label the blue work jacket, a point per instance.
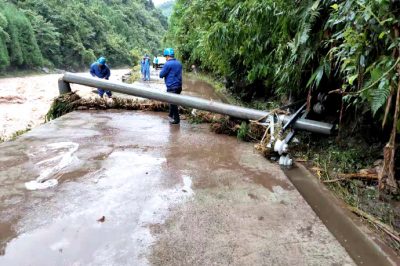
(147, 63)
(100, 73)
(172, 72)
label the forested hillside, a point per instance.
(71, 34)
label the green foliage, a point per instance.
(4, 38)
(135, 75)
(243, 130)
(136, 56)
(18, 133)
(288, 47)
(364, 48)
(72, 34)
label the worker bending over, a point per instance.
(101, 70)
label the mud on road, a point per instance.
(169, 195)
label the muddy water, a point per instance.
(24, 101)
(169, 195)
(199, 88)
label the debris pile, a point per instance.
(71, 101)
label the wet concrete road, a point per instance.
(169, 195)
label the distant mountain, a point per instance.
(167, 8)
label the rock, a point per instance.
(80, 108)
(126, 77)
(45, 70)
(102, 219)
(59, 71)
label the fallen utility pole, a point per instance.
(188, 101)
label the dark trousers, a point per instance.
(173, 108)
(101, 93)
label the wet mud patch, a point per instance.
(12, 161)
(7, 233)
(252, 196)
(202, 89)
(269, 182)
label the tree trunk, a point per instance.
(387, 178)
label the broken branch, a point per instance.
(384, 227)
(343, 177)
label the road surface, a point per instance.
(169, 195)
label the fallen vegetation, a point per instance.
(69, 102)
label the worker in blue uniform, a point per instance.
(142, 67)
(101, 70)
(147, 68)
(172, 74)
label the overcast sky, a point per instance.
(159, 2)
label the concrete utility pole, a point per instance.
(191, 102)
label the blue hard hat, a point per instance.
(169, 52)
(101, 61)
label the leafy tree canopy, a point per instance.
(279, 47)
(72, 34)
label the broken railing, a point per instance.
(296, 122)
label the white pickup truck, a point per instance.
(161, 62)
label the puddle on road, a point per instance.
(61, 157)
(202, 89)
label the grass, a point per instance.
(18, 133)
(135, 74)
(243, 131)
(15, 135)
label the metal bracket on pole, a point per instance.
(293, 118)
